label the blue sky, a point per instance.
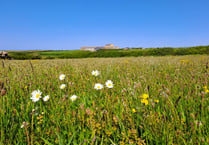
(71, 24)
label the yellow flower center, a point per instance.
(63, 77)
(98, 87)
(37, 96)
(95, 73)
(109, 85)
(73, 99)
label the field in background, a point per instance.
(176, 111)
(133, 52)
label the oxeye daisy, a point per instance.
(95, 73)
(36, 95)
(98, 86)
(62, 77)
(109, 84)
(73, 98)
(46, 98)
(62, 86)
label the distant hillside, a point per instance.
(126, 52)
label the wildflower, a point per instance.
(198, 123)
(145, 101)
(206, 91)
(62, 77)
(205, 87)
(109, 84)
(36, 95)
(26, 87)
(33, 110)
(24, 124)
(73, 98)
(95, 73)
(62, 86)
(88, 111)
(156, 101)
(144, 96)
(46, 98)
(71, 83)
(98, 86)
(134, 110)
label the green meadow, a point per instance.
(154, 101)
(109, 53)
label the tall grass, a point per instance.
(176, 113)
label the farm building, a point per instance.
(95, 48)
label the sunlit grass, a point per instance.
(145, 100)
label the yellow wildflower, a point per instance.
(144, 96)
(205, 87)
(145, 101)
(156, 101)
(134, 110)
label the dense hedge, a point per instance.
(25, 55)
(111, 53)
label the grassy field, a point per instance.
(154, 100)
(134, 52)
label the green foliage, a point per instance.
(25, 55)
(176, 111)
(110, 53)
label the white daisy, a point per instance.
(109, 84)
(98, 86)
(36, 95)
(46, 98)
(62, 77)
(95, 73)
(62, 86)
(73, 98)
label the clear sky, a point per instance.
(71, 24)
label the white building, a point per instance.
(107, 46)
